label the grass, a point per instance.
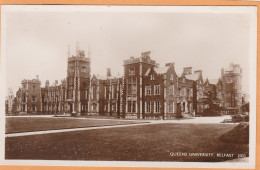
(152, 142)
(28, 124)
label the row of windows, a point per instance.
(113, 93)
(113, 107)
(157, 91)
(131, 107)
(148, 90)
(157, 106)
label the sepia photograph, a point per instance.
(144, 86)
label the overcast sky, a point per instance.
(206, 38)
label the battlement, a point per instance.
(79, 58)
(145, 58)
(32, 80)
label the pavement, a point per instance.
(207, 120)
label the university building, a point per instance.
(145, 91)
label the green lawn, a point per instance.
(151, 142)
(28, 124)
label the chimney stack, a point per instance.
(187, 70)
(169, 64)
(146, 54)
(108, 72)
(47, 83)
(198, 71)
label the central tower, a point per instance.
(78, 82)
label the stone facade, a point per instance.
(145, 91)
(231, 79)
(29, 96)
(105, 95)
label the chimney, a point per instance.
(37, 77)
(187, 70)
(169, 64)
(108, 72)
(47, 83)
(198, 71)
(146, 54)
(222, 74)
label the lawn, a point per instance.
(151, 142)
(28, 124)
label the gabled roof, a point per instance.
(148, 71)
(179, 75)
(99, 77)
(194, 76)
(161, 70)
(213, 81)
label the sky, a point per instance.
(36, 38)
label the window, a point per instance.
(151, 77)
(156, 107)
(131, 106)
(157, 89)
(148, 107)
(114, 91)
(171, 107)
(94, 107)
(171, 89)
(183, 80)
(33, 108)
(34, 87)
(132, 71)
(84, 69)
(183, 91)
(191, 92)
(33, 98)
(85, 94)
(171, 78)
(132, 89)
(114, 107)
(106, 92)
(94, 92)
(148, 90)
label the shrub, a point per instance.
(246, 118)
(237, 118)
(240, 118)
(239, 134)
(210, 112)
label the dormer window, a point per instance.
(132, 71)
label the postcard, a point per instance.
(128, 86)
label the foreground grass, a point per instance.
(28, 124)
(140, 143)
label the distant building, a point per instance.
(198, 88)
(29, 96)
(9, 102)
(134, 72)
(232, 86)
(145, 91)
(106, 94)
